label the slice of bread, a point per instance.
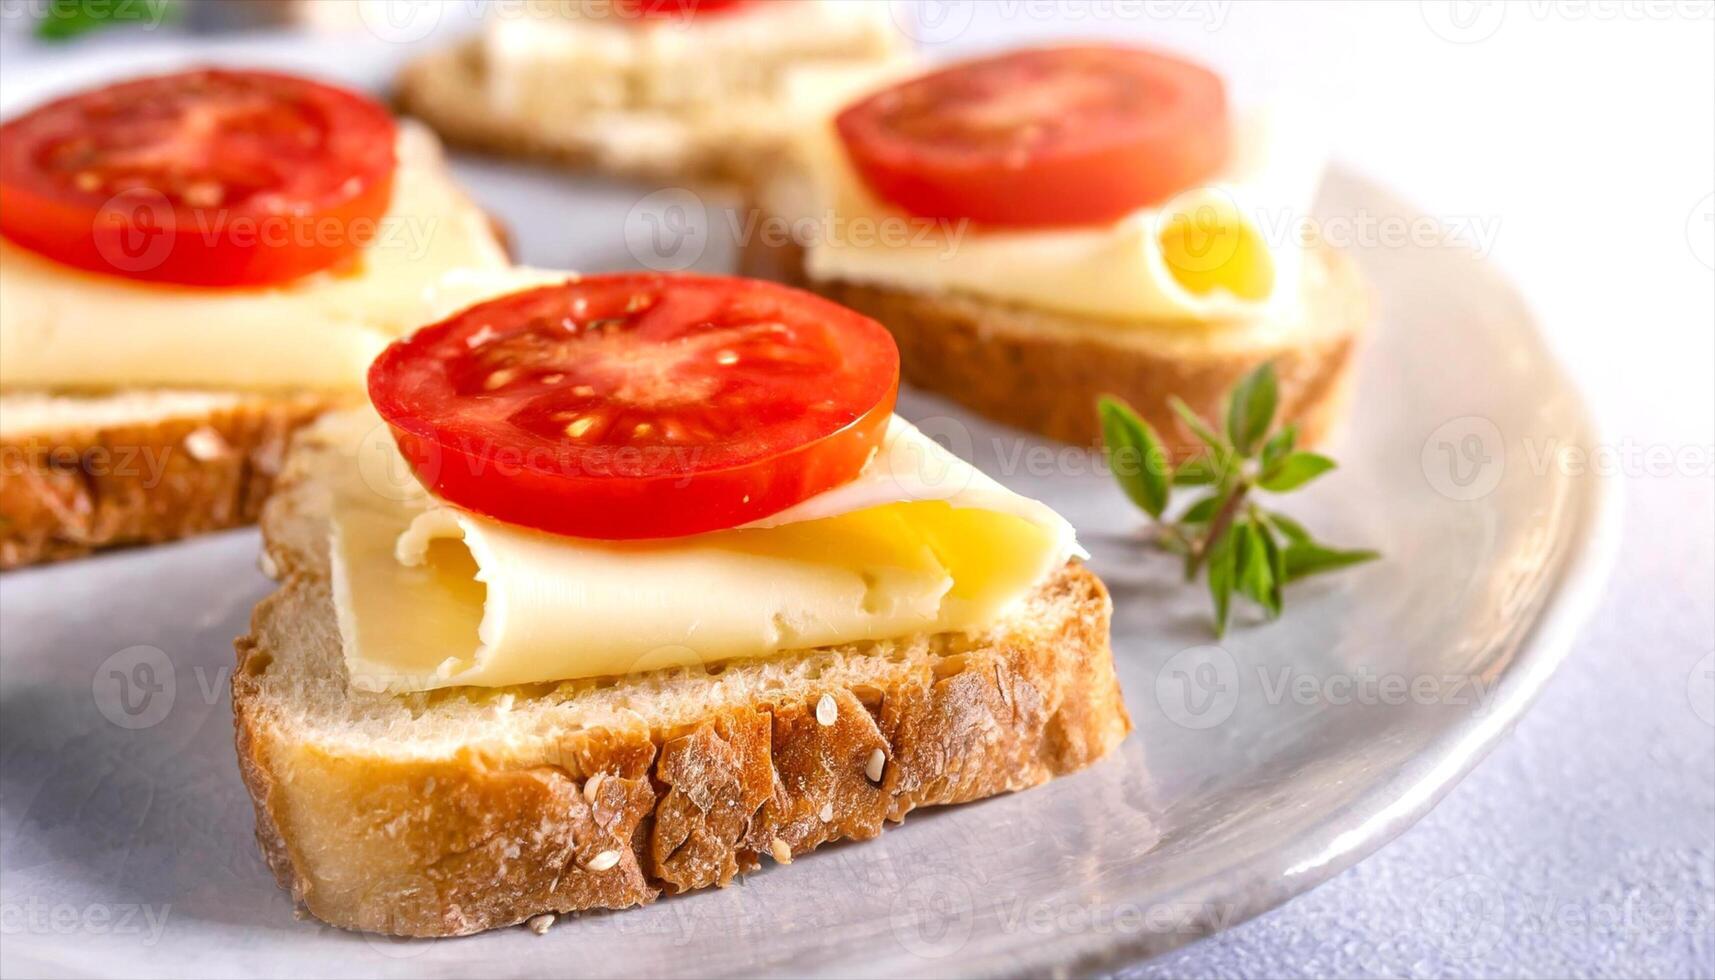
(1043, 370)
(87, 471)
(465, 809)
(447, 89)
(712, 145)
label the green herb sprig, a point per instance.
(1240, 546)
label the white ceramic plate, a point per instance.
(1259, 768)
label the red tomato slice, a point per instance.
(1052, 136)
(204, 178)
(658, 9)
(639, 405)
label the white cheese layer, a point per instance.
(431, 596)
(66, 328)
(1229, 250)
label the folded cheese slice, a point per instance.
(432, 596)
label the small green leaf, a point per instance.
(1279, 446)
(1203, 511)
(1294, 531)
(1250, 408)
(1197, 472)
(1294, 471)
(1135, 455)
(1307, 558)
(1221, 571)
(1255, 571)
(1218, 447)
(1276, 563)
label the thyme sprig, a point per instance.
(1239, 543)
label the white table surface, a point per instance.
(1578, 141)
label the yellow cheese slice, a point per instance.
(430, 596)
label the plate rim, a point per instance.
(1387, 809)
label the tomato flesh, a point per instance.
(202, 178)
(1040, 138)
(668, 9)
(639, 405)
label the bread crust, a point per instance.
(477, 843)
(68, 492)
(1044, 371)
(608, 817)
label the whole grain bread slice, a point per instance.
(80, 472)
(465, 809)
(1043, 371)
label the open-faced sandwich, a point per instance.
(192, 265)
(627, 583)
(1042, 227)
(681, 90)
